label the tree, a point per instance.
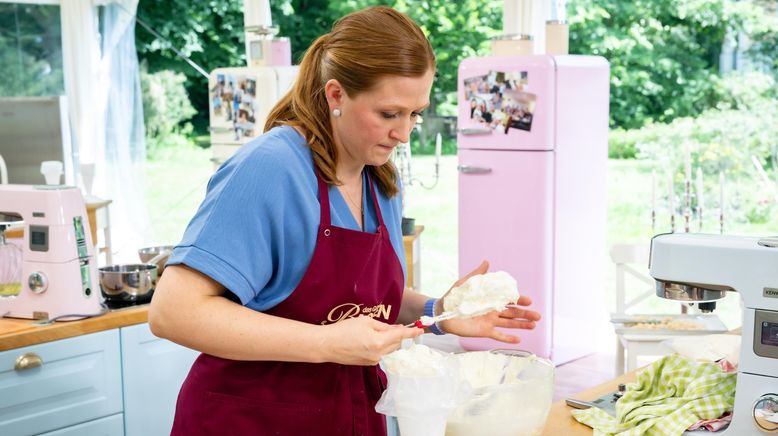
(30, 50)
(664, 54)
(208, 32)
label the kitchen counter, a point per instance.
(561, 422)
(15, 333)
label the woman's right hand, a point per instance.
(363, 340)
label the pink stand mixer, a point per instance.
(53, 275)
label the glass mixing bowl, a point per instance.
(512, 394)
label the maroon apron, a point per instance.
(351, 273)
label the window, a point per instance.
(30, 50)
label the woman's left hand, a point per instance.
(485, 325)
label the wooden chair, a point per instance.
(631, 262)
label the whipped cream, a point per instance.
(482, 293)
(511, 397)
(415, 361)
(481, 368)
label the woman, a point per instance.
(290, 276)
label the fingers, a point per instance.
(504, 337)
(395, 337)
(400, 332)
(483, 268)
(378, 325)
(515, 323)
(393, 334)
(395, 331)
(516, 312)
(524, 300)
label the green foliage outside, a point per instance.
(166, 109)
(30, 50)
(209, 32)
(664, 54)
(728, 139)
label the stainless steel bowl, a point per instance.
(148, 255)
(128, 283)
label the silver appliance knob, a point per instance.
(38, 282)
(765, 412)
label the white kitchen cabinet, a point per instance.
(76, 380)
(153, 370)
(111, 383)
(109, 426)
(391, 426)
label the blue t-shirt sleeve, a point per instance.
(237, 235)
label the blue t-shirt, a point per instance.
(255, 231)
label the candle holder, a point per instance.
(653, 221)
(687, 210)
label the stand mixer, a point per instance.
(58, 276)
(700, 268)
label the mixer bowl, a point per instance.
(132, 283)
(149, 253)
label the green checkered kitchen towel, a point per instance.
(670, 395)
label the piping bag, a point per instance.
(423, 389)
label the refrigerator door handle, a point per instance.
(470, 131)
(471, 169)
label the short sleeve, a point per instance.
(254, 208)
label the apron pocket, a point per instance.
(232, 414)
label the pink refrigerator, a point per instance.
(533, 148)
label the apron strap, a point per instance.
(324, 201)
(375, 201)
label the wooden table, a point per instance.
(561, 422)
(15, 333)
(412, 245)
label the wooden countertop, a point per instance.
(15, 333)
(561, 422)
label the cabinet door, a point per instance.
(108, 426)
(153, 370)
(79, 380)
(505, 216)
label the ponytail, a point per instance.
(306, 106)
(362, 48)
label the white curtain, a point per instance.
(125, 148)
(106, 112)
(81, 61)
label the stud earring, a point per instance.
(336, 113)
